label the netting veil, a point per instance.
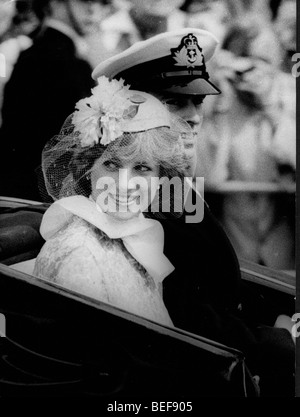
(118, 124)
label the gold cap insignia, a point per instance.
(188, 53)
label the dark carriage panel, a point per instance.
(60, 343)
(20, 239)
(63, 344)
(266, 292)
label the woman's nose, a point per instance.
(126, 180)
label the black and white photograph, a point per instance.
(148, 205)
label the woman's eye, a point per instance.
(111, 165)
(142, 168)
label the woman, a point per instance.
(105, 169)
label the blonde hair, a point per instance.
(161, 146)
(67, 165)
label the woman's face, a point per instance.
(123, 189)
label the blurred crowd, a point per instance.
(247, 151)
(248, 135)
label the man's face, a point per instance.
(190, 109)
(86, 15)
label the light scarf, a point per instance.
(143, 238)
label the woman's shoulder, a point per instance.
(80, 245)
(78, 239)
(76, 232)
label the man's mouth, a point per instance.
(189, 141)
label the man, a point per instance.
(178, 77)
(202, 295)
(32, 110)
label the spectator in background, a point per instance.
(251, 137)
(207, 15)
(97, 50)
(7, 11)
(285, 27)
(55, 66)
(242, 8)
(255, 19)
(25, 21)
(138, 20)
(18, 26)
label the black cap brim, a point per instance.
(198, 86)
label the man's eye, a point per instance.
(173, 102)
(198, 101)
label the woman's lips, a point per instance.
(124, 200)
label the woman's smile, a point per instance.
(126, 188)
(124, 200)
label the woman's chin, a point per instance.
(120, 215)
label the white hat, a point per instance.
(171, 61)
(114, 109)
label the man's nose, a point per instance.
(193, 114)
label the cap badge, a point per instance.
(188, 53)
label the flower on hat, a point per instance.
(101, 114)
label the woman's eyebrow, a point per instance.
(114, 159)
(143, 162)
